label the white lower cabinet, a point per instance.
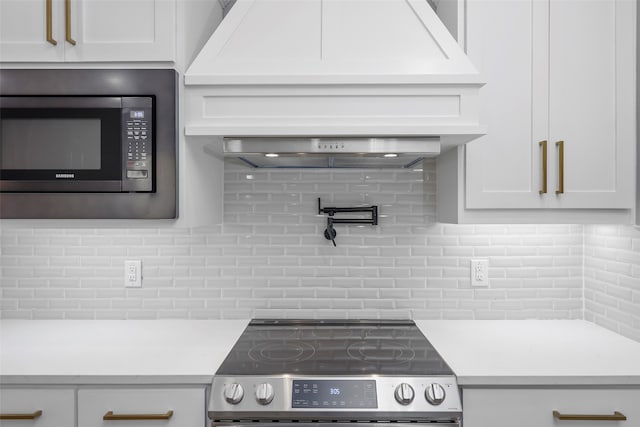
(535, 407)
(136, 407)
(31, 407)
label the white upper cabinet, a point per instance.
(500, 166)
(87, 30)
(26, 30)
(560, 74)
(592, 101)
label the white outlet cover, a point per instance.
(133, 274)
(480, 273)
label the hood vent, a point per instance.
(344, 153)
(382, 69)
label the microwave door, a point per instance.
(61, 144)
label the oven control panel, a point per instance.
(331, 394)
(254, 396)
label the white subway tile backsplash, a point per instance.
(40, 315)
(16, 272)
(17, 250)
(612, 278)
(30, 261)
(489, 251)
(270, 259)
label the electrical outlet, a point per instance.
(133, 274)
(479, 272)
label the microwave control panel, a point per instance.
(137, 138)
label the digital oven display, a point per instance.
(137, 114)
(323, 394)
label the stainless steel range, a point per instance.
(334, 371)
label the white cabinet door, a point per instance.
(556, 70)
(41, 407)
(503, 167)
(534, 407)
(131, 407)
(122, 30)
(591, 102)
(87, 30)
(23, 30)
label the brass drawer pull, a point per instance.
(560, 145)
(49, 23)
(543, 144)
(110, 416)
(31, 416)
(67, 9)
(617, 416)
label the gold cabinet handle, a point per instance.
(560, 145)
(31, 416)
(49, 24)
(67, 33)
(543, 144)
(110, 416)
(617, 416)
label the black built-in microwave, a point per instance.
(76, 144)
(88, 143)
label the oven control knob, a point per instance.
(233, 393)
(434, 394)
(404, 394)
(264, 393)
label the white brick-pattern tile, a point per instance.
(270, 259)
(612, 278)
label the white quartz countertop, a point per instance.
(534, 352)
(481, 353)
(114, 351)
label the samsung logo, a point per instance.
(65, 175)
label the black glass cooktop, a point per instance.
(333, 347)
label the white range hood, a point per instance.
(333, 68)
